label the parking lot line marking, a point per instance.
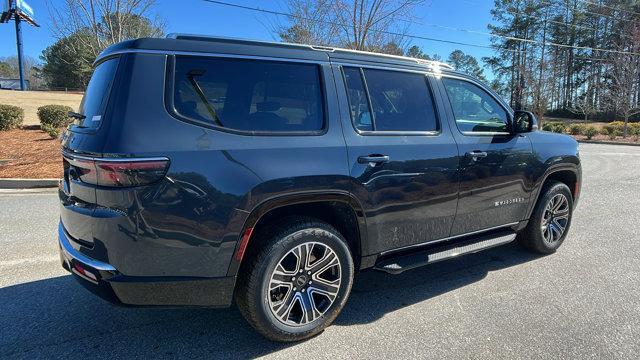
(34, 260)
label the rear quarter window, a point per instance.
(248, 95)
(96, 96)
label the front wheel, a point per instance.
(299, 281)
(550, 221)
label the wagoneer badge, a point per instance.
(508, 202)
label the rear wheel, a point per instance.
(550, 221)
(297, 284)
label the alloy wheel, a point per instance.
(555, 218)
(304, 284)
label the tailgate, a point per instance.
(82, 141)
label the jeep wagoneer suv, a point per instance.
(202, 171)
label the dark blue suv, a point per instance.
(206, 170)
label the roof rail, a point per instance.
(197, 37)
(432, 63)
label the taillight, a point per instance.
(130, 173)
(85, 171)
(116, 172)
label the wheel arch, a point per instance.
(339, 209)
(568, 174)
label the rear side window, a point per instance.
(249, 95)
(398, 101)
(95, 98)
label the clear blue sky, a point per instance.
(200, 17)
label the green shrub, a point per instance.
(557, 127)
(576, 129)
(607, 130)
(617, 124)
(56, 116)
(590, 132)
(51, 130)
(10, 117)
(634, 128)
(615, 133)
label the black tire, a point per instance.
(536, 237)
(254, 299)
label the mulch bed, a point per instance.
(29, 153)
(605, 139)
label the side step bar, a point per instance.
(418, 258)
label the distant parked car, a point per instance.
(203, 170)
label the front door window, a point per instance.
(474, 109)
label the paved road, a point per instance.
(582, 302)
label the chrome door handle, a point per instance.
(375, 159)
(477, 154)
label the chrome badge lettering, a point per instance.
(508, 202)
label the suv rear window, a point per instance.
(249, 95)
(95, 98)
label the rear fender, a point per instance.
(296, 199)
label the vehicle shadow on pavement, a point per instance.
(57, 317)
(375, 293)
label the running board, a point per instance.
(401, 263)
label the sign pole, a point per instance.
(23, 85)
(19, 10)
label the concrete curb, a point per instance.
(16, 183)
(607, 142)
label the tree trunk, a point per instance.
(626, 126)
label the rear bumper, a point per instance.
(107, 282)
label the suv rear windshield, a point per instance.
(95, 98)
(249, 95)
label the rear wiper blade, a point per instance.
(76, 115)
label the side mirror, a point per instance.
(524, 122)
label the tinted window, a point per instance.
(475, 109)
(95, 98)
(358, 103)
(249, 95)
(401, 101)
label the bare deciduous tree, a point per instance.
(586, 103)
(374, 25)
(31, 69)
(366, 23)
(314, 23)
(105, 22)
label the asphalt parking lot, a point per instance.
(582, 302)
